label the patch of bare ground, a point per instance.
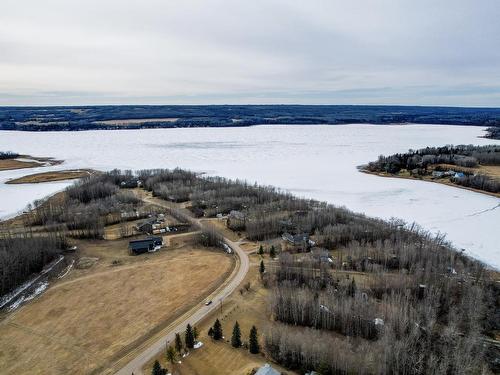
(26, 161)
(91, 318)
(36, 178)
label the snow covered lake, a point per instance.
(311, 161)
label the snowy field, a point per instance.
(311, 161)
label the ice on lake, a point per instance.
(311, 161)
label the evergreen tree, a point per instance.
(195, 333)
(352, 288)
(189, 339)
(217, 330)
(171, 354)
(236, 337)
(272, 252)
(157, 369)
(211, 332)
(178, 343)
(253, 342)
(262, 268)
(261, 250)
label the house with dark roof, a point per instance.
(147, 245)
(299, 241)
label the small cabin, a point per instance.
(147, 245)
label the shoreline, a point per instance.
(52, 176)
(27, 162)
(385, 174)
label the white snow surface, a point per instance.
(40, 288)
(311, 161)
(198, 345)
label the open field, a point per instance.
(51, 176)
(91, 318)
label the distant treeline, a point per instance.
(91, 117)
(8, 155)
(493, 132)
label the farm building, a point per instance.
(147, 245)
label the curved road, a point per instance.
(136, 364)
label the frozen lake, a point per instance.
(311, 161)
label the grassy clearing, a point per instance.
(91, 318)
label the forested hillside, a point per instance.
(155, 116)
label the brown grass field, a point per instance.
(9, 164)
(51, 176)
(87, 321)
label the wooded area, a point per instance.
(433, 160)
(172, 116)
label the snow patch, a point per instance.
(198, 345)
(7, 298)
(67, 269)
(38, 290)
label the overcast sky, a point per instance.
(425, 52)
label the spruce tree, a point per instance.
(262, 268)
(171, 354)
(272, 252)
(178, 343)
(211, 332)
(352, 288)
(157, 369)
(253, 342)
(261, 250)
(189, 339)
(217, 330)
(195, 333)
(236, 337)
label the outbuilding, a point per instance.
(147, 245)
